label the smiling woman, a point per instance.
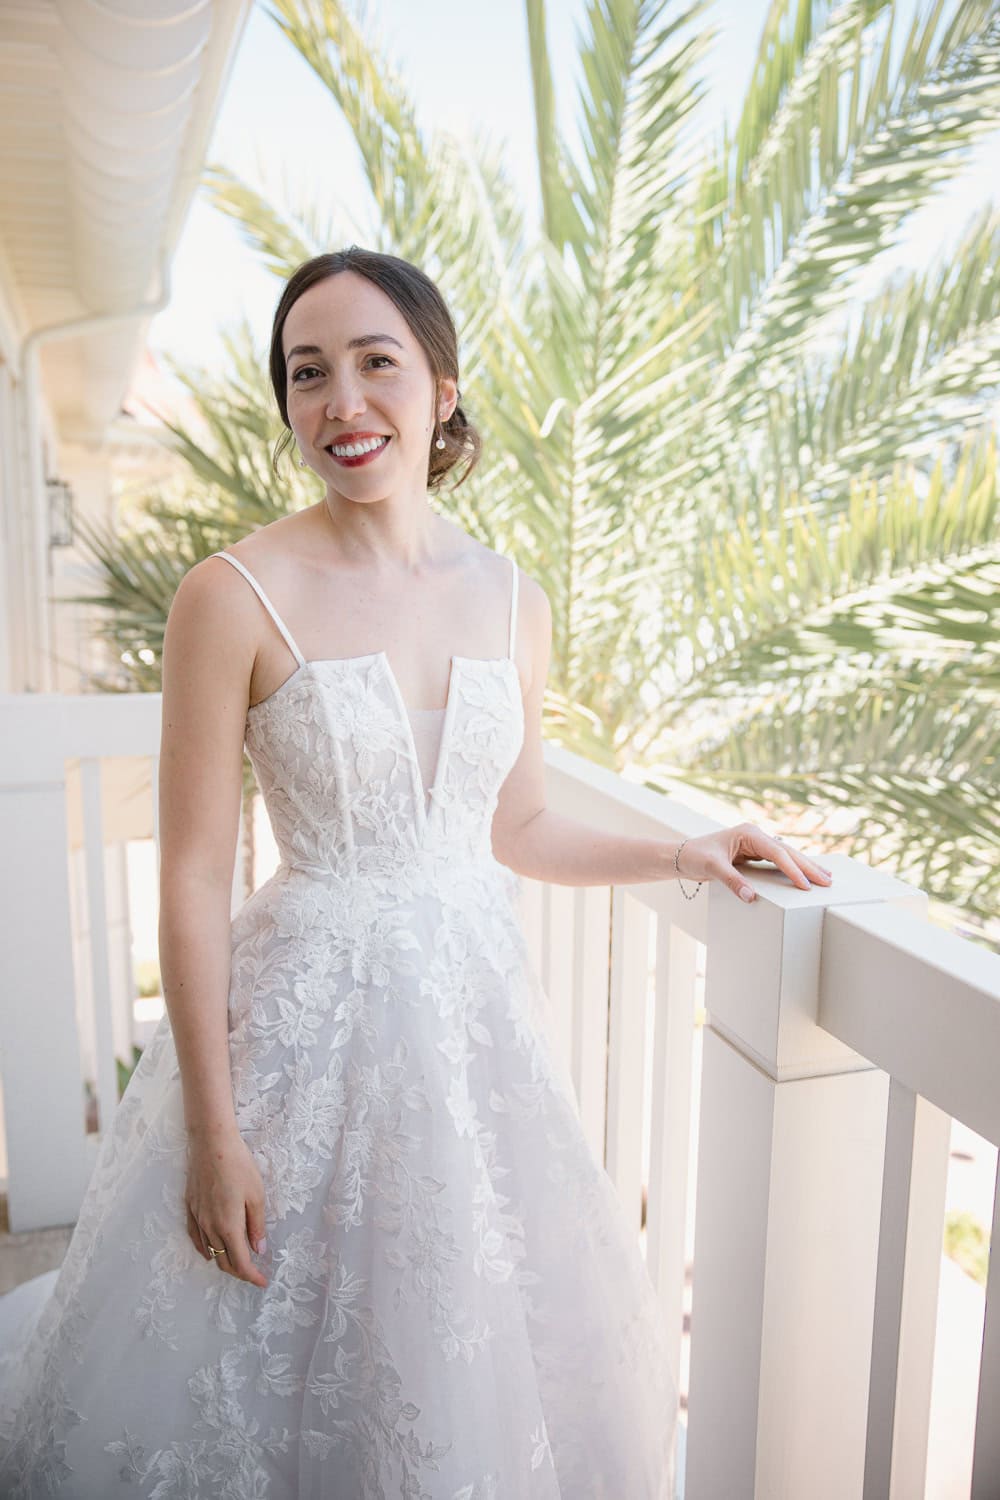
(352, 448)
(347, 1199)
(357, 448)
(418, 352)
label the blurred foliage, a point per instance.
(762, 502)
(968, 1244)
(147, 978)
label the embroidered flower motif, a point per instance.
(440, 1239)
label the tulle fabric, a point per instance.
(456, 1308)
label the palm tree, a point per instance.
(764, 508)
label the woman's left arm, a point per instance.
(542, 845)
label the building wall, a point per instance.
(18, 633)
(45, 645)
(77, 651)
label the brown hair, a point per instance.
(429, 320)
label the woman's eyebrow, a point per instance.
(373, 338)
(360, 342)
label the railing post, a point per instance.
(918, 1138)
(567, 929)
(986, 1462)
(65, 984)
(670, 1127)
(47, 1156)
(791, 1140)
(630, 928)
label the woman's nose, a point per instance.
(345, 399)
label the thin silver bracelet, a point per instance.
(688, 896)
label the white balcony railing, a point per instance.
(843, 1032)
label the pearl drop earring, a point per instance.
(440, 440)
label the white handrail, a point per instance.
(842, 1032)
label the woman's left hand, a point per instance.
(715, 856)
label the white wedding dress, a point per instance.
(456, 1308)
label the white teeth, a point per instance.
(351, 450)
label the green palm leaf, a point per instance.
(763, 511)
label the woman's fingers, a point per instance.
(716, 856)
(225, 1199)
(788, 860)
(800, 868)
(243, 1269)
(237, 1259)
(255, 1228)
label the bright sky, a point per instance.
(465, 63)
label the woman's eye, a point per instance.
(308, 371)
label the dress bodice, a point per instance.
(454, 1305)
(426, 724)
(337, 762)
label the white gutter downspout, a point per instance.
(35, 509)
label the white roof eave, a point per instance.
(93, 200)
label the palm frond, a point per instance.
(283, 238)
(561, 222)
(815, 219)
(915, 779)
(765, 522)
(901, 576)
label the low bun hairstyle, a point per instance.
(428, 319)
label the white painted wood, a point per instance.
(765, 971)
(915, 1176)
(728, 1291)
(986, 1461)
(809, 995)
(57, 1011)
(630, 933)
(920, 1002)
(900, 1120)
(121, 977)
(559, 980)
(670, 1127)
(44, 730)
(588, 1059)
(819, 1292)
(576, 921)
(39, 1050)
(93, 837)
(921, 1281)
(789, 1180)
(82, 970)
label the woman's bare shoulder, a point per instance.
(532, 598)
(269, 550)
(214, 602)
(278, 538)
(534, 612)
(498, 565)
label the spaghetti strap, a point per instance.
(286, 633)
(513, 609)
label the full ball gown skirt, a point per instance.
(456, 1308)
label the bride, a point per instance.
(345, 1237)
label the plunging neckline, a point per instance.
(425, 798)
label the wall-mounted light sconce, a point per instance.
(60, 513)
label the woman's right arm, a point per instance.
(208, 656)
